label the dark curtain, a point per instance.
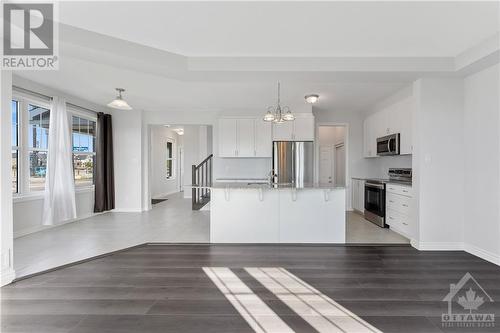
(104, 171)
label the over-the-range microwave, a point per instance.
(388, 145)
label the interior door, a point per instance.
(339, 179)
(326, 164)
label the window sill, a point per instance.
(39, 196)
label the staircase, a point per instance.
(201, 180)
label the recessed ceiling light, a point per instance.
(166, 125)
(312, 98)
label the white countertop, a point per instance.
(266, 186)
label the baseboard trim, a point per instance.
(483, 254)
(437, 246)
(457, 246)
(127, 210)
(7, 276)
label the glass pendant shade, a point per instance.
(119, 102)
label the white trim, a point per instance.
(127, 210)
(483, 254)
(7, 276)
(437, 246)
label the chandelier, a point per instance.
(277, 113)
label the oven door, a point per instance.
(375, 203)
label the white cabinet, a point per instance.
(399, 209)
(244, 137)
(228, 133)
(301, 129)
(396, 118)
(263, 139)
(369, 137)
(358, 195)
(283, 131)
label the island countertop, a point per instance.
(267, 186)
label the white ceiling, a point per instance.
(318, 29)
(373, 50)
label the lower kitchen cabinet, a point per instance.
(399, 209)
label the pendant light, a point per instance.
(277, 113)
(119, 102)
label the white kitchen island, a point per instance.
(260, 213)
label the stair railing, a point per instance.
(202, 181)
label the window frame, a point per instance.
(173, 159)
(74, 111)
(16, 147)
(23, 99)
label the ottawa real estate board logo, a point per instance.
(469, 305)
(30, 36)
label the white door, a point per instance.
(304, 129)
(228, 137)
(326, 164)
(283, 131)
(246, 138)
(263, 139)
(339, 179)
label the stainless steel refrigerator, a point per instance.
(293, 162)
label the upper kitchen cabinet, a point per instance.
(301, 129)
(228, 133)
(263, 139)
(396, 118)
(244, 137)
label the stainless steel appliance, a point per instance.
(375, 201)
(375, 194)
(388, 145)
(293, 162)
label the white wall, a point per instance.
(438, 163)
(160, 185)
(482, 163)
(7, 273)
(127, 143)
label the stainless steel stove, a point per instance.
(375, 194)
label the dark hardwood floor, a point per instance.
(162, 288)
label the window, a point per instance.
(170, 160)
(38, 146)
(83, 133)
(15, 146)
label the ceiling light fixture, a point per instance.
(119, 102)
(312, 98)
(277, 113)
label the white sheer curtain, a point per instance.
(59, 200)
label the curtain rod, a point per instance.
(50, 98)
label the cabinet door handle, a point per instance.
(391, 201)
(405, 223)
(405, 205)
(392, 218)
(405, 191)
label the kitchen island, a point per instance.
(263, 213)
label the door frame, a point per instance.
(348, 188)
